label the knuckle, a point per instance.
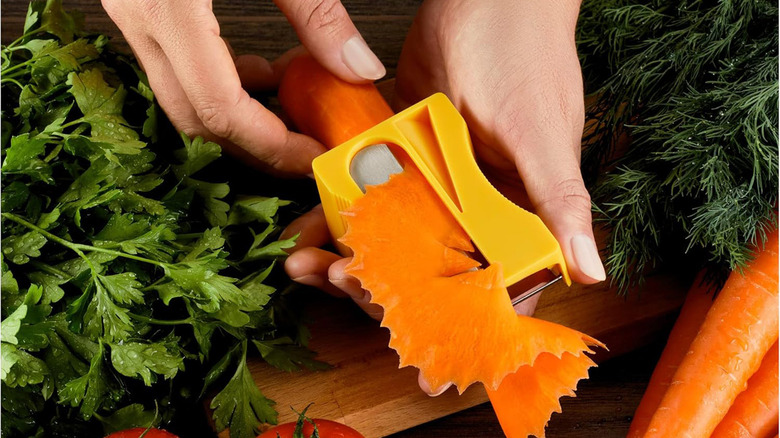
(215, 118)
(323, 14)
(568, 195)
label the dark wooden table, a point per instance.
(604, 404)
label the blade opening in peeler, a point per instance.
(538, 289)
(373, 165)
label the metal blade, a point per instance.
(528, 294)
(373, 165)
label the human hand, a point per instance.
(201, 86)
(511, 69)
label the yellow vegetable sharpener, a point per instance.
(435, 138)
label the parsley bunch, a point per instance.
(694, 85)
(130, 280)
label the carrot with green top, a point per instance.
(754, 413)
(739, 329)
(694, 310)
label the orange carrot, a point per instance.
(739, 329)
(326, 108)
(697, 303)
(754, 412)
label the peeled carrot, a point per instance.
(327, 108)
(739, 329)
(697, 303)
(754, 412)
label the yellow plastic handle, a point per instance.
(435, 138)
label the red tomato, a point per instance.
(326, 428)
(138, 431)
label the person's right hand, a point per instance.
(201, 87)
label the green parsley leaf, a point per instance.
(26, 369)
(20, 249)
(195, 155)
(10, 326)
(58, 22)
(255, 208)
(211, 193)
(10, 355)
(89, 390)
(101, 105)
(129, 417)
(241, 405)
(271, 250)
(22, 157)
(286, 355)
(136, 359)
(123, 288)
(103, 318)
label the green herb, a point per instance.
(695, 87)
(131, 280)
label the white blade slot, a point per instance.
(373, 165)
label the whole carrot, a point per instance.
(327, 108)
(739, 329)
(754, 413)
(697, 303)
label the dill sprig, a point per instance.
(694, 85)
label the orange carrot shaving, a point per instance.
(755, 411)
(548, 380)
(697, 303)
(739, 329)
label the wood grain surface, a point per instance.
(366, 390)
(605, 402)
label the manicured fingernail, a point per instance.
(427, 388)
(587, 257)
(361, 60)
(440, 391)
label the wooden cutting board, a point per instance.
(366, 390)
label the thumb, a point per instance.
(326, 30)
(561, 200)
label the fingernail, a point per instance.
(361, 60)
(440, 391)
(587, 257)
(309, 280)
(354, 291)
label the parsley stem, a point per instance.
(25, 35)
(78, 248)
(160, 321)
(72, 122)
(49, 269)
(17, 67)
(52, 237)
(13, 81)
(121, 254)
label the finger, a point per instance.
(167, 89)
(205, 70)
(309, 266)
(555, 187)
(325, 28)
(256, 73)
(312, 227)
(528, 306)
(351, 286)
(427, 388)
